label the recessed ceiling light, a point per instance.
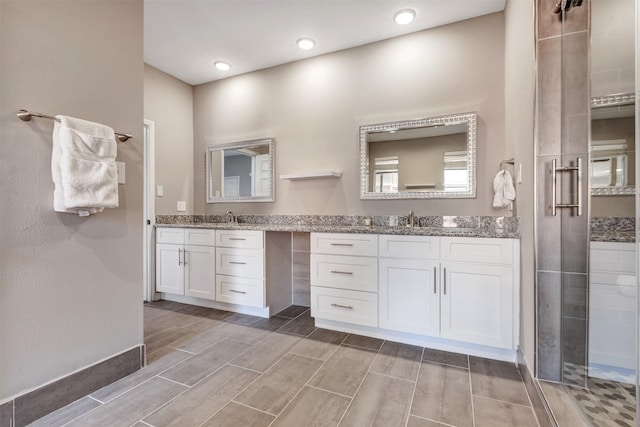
(222, 66)
(405, 16)
(306, 43)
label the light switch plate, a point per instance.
(160, 190)
(121, 172)
(181, 206)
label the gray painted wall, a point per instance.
(168, 102)
(314, 108)
(519, 123)
(70, 287)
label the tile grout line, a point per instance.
(473, 410)
(242, 367)
(364, 377)
(433, 421)
(246, 406)
(176, 382)
(237, 394)
(326, 391)
(188, 387)
(179, 349)
(502, 401)
(415, 387)
(122, 394)
(394, 378)
(297, 393)
(310, 378)
(90, 397)
(260, 375)
(233, 399)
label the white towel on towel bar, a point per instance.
(504, 190)
(83, 166)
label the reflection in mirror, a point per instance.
(241, 171)
(613, 145)
(422, 158)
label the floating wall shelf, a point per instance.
(313, 175)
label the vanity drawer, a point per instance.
(249, 239)
(344, 244)
(415, 247)
(199, 237)
(240, 262)
(170, 235)
(345, 272)
(615, 257)
(239, 290)
(360, 308)
(477, 249)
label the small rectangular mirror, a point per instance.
(241, 171)
(613, 145)
(433, 157)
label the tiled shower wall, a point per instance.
(300, 269)
(562, 241)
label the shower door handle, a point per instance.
(578, 172)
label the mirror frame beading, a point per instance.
(270, 142)
(469, 118)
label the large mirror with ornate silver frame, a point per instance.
(241, 171)
(428, 158)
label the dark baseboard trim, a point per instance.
(538, 403)
(35, 404)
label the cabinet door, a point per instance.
(409, 296)
(169, 269)
(200, 275)
(477, 304)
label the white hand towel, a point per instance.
(504, 190)
(83, 167)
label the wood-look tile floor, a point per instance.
(209, 368)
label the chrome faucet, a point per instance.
(230, 217)
(410, 219)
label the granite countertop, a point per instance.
(613, 236)
(505, 233)
(613, 229)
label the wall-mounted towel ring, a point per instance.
(25, 116)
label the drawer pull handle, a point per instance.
(237, 238)
(237, 262)
(179, 256)
(435, 290)
(184, 257)
(445, 280)
(342, 244)
(237, 292)
(348, 307)
(346, 273)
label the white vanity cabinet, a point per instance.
(344, 277)
(449, 287)
(240, 272)
(244, 271)
(185, 262)
(612, 308)
(429, 288)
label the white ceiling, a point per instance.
(184, 37)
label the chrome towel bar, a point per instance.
(26, 115)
